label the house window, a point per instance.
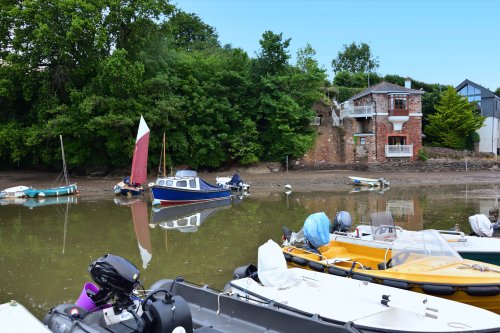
(396, 140)
(399, 103)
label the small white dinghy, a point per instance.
(14, 192)
(15, 318)
(368, 306)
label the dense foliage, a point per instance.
(455, 122)
(88, 69)
(355, 58)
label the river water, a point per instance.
(46, 246)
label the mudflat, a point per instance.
(326, 180)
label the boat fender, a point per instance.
(169, 314)
(438, 290)
(299, 261)
(315, 266)
(337, 271)
(362, 277)
(483, 291)
(396, 284)
(288, 257)
(246, 271)
(63, 317)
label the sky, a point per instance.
(440, 41)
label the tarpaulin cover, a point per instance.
(316, 229)
(208, 187)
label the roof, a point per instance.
(485, 92)
(385, 88)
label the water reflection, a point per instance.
(186, 218)
(45, 251)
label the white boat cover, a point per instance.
(272, 268)
(481, 225)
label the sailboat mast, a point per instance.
(64, 161)
(164, 156)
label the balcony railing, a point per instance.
(357, 111)
(399, 113)
(399, 151)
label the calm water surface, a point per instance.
(46, 246)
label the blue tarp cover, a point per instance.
(204, 186)
(317, 229)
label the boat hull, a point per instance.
(52, 192)
(123, 189)
(455, 281)
(174, 196)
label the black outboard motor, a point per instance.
(117, 277)
(118, 310)
(342, 222)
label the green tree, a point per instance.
(497, 92)
(455, 122)
(355, 58)
(189, 32)
(273, 56)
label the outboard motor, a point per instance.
(342, 222)
(114, 307)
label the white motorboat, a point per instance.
(382, 232)
(16, 318)
(234, 183)
(368, 306)
(14, 192)
(380, 182)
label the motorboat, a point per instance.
(14, 317)
(234, 183)
(117, 303)
(367, 306)
(185, 188)
(14, 192)
(133, 185)
(380, 182)
(382, 231)
(422, 261)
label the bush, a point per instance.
(422, 156)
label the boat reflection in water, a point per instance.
(140, 216)
(38, 202)
(186, 218)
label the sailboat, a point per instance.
(67, 189)
(139, 173)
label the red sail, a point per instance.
(139, 172)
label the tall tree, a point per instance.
(497, 92)
(355, 58)
(455, 122)
(273, 56)
(188, 32)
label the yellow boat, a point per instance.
(423, 262)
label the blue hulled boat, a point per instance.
(185, 188)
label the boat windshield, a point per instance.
(382, 226)
(427, 247)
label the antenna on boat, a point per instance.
(64, 162)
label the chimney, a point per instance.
(408, 83)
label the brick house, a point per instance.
(382, 123)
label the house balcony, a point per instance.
(352, 111)
(399, 113)
(398, 150)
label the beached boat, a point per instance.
(234, 183)
(172, 306)
(381, 182)
(185, 188)
(367, 306)
(133, 185)
(14, 192)
(422, 262)
(186, 218)
(67, 189)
